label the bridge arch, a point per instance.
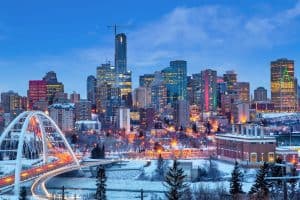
(33, 135)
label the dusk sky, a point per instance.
(72, 38)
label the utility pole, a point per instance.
(142, 194)
(63, 193)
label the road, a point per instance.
(38, 188)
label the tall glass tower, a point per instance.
(121, 53)
(175, 78)
(91, 88)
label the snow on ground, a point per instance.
(8, 166)
(124, 178)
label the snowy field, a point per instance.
(124, 180)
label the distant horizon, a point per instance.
(73, 40)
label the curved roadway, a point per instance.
(38, 188)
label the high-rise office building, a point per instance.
(175, 78)
(260, 94)
(243, 91)
(196, 83)
(283, 92)
(125, 85)
(52, 85)
(141, 97)
(221, 90)
(108, 101)
(83, 110)
(182, 113)
(37, 92)
(208, 90)
(91, 83)
(190, 93)
(121, 53)
(230, 77)
(124, 119)
(11, 101)
(106, 74)
(146, 80)
(158, 93)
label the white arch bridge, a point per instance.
(31, 146)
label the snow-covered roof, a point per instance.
(62, 106)
(275, 115)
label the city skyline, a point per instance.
(92, 44)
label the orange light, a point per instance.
(8, 180)
(174, 143)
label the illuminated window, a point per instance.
(253, 157)
(271, 156)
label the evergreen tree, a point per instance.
(236, 181)
(101, 184)
(23, 194)
(96, 152)
(187, 194)
(174, 181)
(260, 189)
(213, 171)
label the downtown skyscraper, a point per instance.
(283, 85)
(123, 76)
(175, 78)
(121, 53)
(208, 90)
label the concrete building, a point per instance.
(123, 119)
(243, 91)
(53, 86)
(141, 97)
(182, 114)
(230, 77)
(260, 94)
(63, 115)
(83, 110)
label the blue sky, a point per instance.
(71, 38)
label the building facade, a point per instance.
(283, 92)
(208, 90)
(63, 115)
(175, 78)
(260, 94)
(246, 143)
(37, 92)
(83, 110)
(91, 89)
